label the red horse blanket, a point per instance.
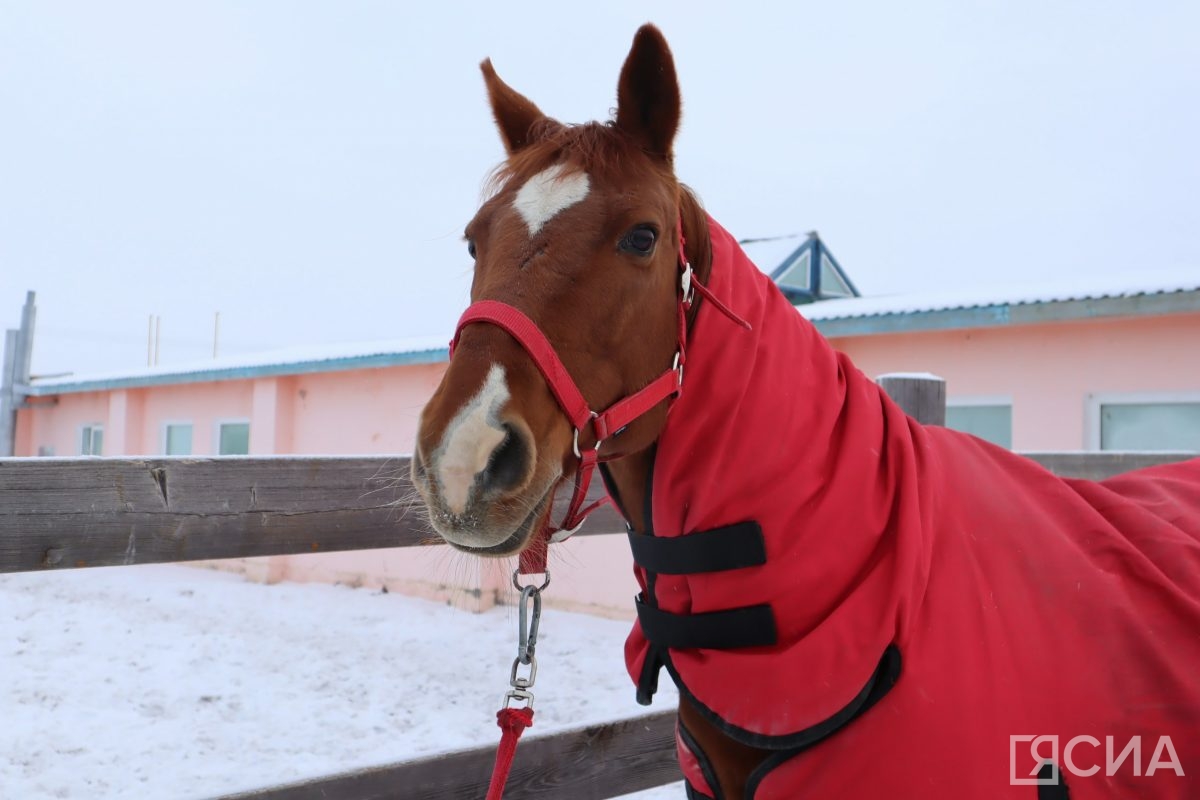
(887, 605)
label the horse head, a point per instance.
(581, 236)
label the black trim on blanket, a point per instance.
(647, 684)
(611, 487)
(749, 626)
(716, 550)
(692, 794)
(881, 682)
(706, 767)
(1052, 791)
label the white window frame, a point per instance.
(1094, 400)
(166, 423)
(217, 423)
(805, 257)
(94, 426)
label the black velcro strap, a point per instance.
(716, 550)
(751, 626)
(647, 685)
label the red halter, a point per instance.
(603, 424)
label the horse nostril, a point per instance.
(509, 463)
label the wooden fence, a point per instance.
(71, 513)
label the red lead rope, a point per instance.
(513, 722)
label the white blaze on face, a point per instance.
(549, 192)
(470, 439)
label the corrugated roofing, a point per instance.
(917, 311)
(288, 361)
(1134, 285)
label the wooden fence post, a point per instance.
(920, 394)
(14, 374)
(8, 396)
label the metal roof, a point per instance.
(1143, 294)
(290, 361)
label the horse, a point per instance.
(852, 604)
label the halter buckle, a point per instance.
(575, 443)
(562, 534)
(677, 367)
(685, 284)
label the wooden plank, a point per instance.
(90, 512)
(922, 396)
(1098, 466)
(592, 763)
(85, 512)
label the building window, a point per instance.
(832, 283)
(1150, 425)
(989, 421)
(796, 274)
(91, 440)
(177, 439)
(233, 438)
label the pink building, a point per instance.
(1114, 365)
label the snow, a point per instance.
(768, 254)
(174, 682)
(920, 376)
(1135, 283)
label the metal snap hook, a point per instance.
(530, 617)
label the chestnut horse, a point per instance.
(852, 604)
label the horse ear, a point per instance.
(648, 105)
(514, 112)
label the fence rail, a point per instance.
(99, 512)
(91, 512)
(592, 763)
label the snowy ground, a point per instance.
(170, 682)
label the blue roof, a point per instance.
(1143, 293)
(291, 361)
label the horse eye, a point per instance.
(471, 247)
(639, 241)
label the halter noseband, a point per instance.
(603, 424)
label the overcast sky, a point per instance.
(306, 169)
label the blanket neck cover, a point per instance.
(885, 604)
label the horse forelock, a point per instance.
(600, 149)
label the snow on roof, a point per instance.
(432, 349)
(307, 358)
(1142, 283)
(769, 254)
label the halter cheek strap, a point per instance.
(602, 424)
